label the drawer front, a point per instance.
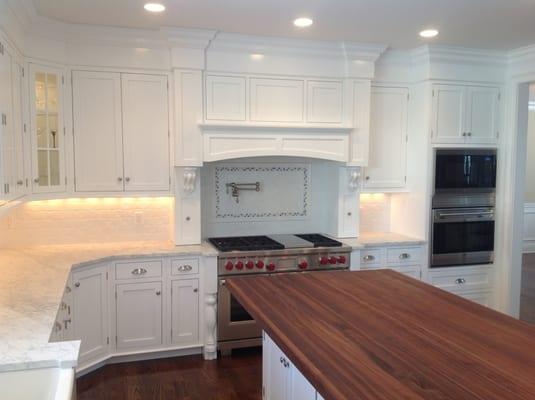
(414, 271)
(371, 257)
(461, 280)
(184, 266)
(138, 269)
(403, 255)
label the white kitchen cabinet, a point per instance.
(324, 101)
(465, 114)
(48, 131)
(483, 298)
(225, 98)
(145, 132)
(277, 100)
(97, 120)
(90, 312)
(124, 119)
(185, 311)
(139, 315)
(18, 174)
(388, 139)
(281, 379)
(406, 260)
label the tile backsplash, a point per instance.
(88, 220)
(374, 212)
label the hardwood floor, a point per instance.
(527, 296)
(187, 378)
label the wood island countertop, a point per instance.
(381, 335)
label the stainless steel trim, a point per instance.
(460, 259)
(449, 215)
(464, 198)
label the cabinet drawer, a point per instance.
(371, 257)
(458, 280)
(138, 269)
(405, 255)
(184, 266)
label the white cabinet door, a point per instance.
(139, 315)
(6, 126)
(277, 100)
(388, 138)
(324, 101)
(145, 132)
(300, 388)
(90, 312)
(225, 98)
(185, 311)
(98, 143)
(482, 298)
(482, 114)
(275, 373)
(18, 176)
(449, 104)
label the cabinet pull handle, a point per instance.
(460, 281)
(139, 271)
(66, 321)
(469, 133)
(464, 133)
(77, 284)
(20, 182)
(369, 257)
(404, 256)
(184, 268)
(195, 290)
(158, 293)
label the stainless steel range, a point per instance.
(272, 254)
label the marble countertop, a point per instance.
(378, 239)
(31, 287)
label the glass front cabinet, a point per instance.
(48, 147)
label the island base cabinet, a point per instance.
(139, 315)
(281, 379)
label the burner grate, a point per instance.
(320, 240)
(245, 243)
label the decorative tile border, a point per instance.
(219, 186)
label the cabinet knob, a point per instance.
(158, 293)
(464, 133)
(367, 178)
(460, 281)
(119, 179)
(195, 290)
(469, 133)
(77, 284)
(35, 180)
(139, 271)
(404, 256)
(127, 179)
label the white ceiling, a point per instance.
(491, 24)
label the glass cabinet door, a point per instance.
(47, 129)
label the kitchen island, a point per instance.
(381, 335)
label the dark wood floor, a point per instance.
(527, 297)
(182, 378)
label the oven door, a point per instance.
(462, 237)
(233, 322)
(465, 170)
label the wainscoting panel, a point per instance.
(529, 228)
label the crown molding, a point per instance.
(466, 56)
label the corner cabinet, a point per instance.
(47, 127)
(124, 119)
(388, 139)
(465, 114)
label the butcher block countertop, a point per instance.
(381, 335)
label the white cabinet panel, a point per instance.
(360, 103)
(463, 278)
(139, 315)
(276, 100)
(225, 98)
(6, 126)
(18, 187)
(145, 132)
(388, 138)
(483, 298)
(448, 113)
(300, 387)
(90, 312)
(98, 143)
(324, 101)
(185, 311)
(482, 114)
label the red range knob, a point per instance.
(342, 259)
(303, 264)
(332, 260)
(324, 260)
(260, 264)
(239, 265)
(249, 265)
(270, 267)
(229, 266)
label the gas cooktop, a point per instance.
(273, 242)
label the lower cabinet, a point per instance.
(281, 379)
(184, 311)
(406, 260)
(90, 312)
(139, 315)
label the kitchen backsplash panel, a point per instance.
(374, 212)
(89, 220)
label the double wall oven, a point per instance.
(463, 207)
(273, 254)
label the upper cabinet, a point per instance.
(388, 139)
(465, 114)
(225, 98)
(48, 131)
(276, 100)
(124, 119)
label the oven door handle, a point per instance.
(222, 282)
(465, 214)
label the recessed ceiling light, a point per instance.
(154, 7)
(429, 33)
(303, 22)
(257, 56)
